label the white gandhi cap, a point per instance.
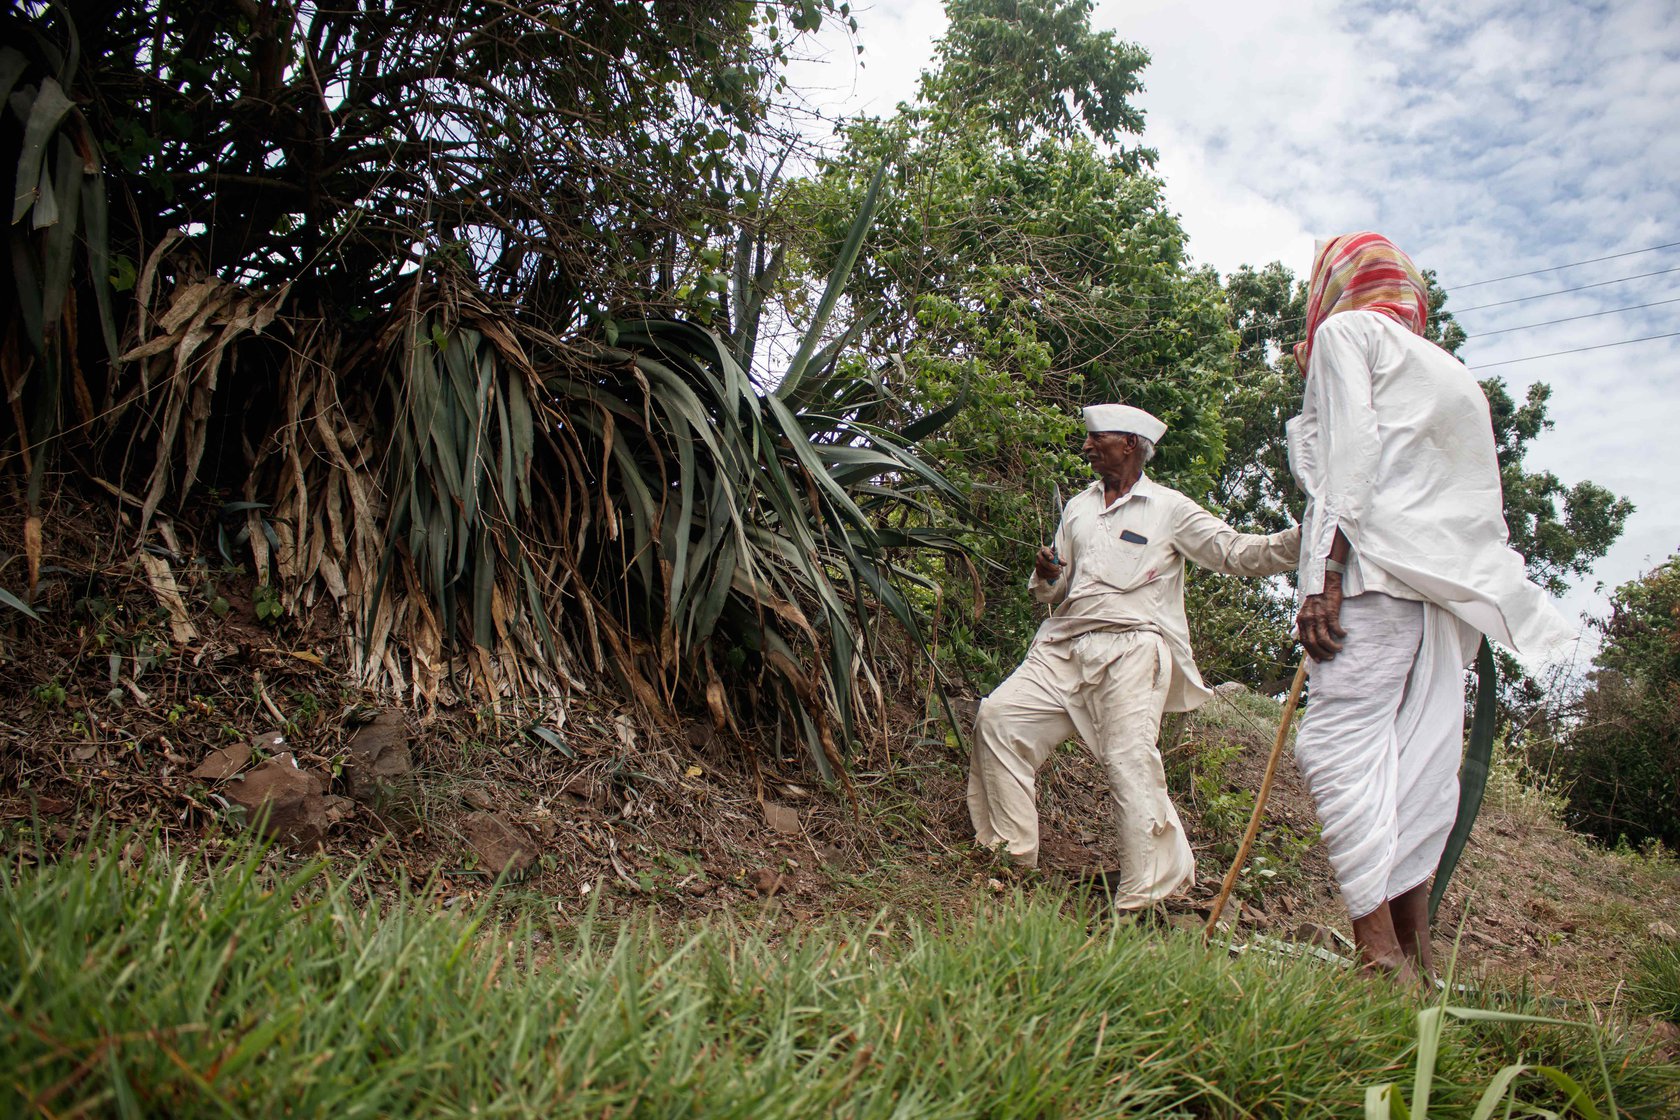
(1123, 418)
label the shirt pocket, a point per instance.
(1123, 565)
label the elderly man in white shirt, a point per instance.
(1405, 564)
(1113, 655)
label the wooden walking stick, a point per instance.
(1260, 800)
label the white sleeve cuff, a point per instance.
(1315, 551)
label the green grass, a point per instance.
(1656, 980)
(169, 988)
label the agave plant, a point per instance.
(768, 524)
(504, 511)
(494, 507)
(653, 509)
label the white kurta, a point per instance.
(1394, 446)
(1114, 653)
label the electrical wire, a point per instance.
(1572, 318)
(1576, 350)
(1560, 267)
(1565, 291)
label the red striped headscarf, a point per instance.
(1363, 272)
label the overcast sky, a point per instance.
(1485, 137)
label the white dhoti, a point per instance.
(1108, 687)
(1381, 741)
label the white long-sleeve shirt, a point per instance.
(1124, 570)
(1394, 446)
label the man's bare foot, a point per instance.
(1397, 969)
(1381, 952)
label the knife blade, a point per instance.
(1060, 508)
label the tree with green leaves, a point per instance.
(1026, 262)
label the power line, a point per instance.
(1572, 318)
(1577, 350)
(1565, 291)
(1559, 267)
(1298, 320)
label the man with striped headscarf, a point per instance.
(1405, 563)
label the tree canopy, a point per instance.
(1025, 263)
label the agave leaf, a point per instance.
(506, 469)
(534, 604)
(841, 653)
(643, 510)
(12, 66)
(45, 211)
(777, 600)
(710, 606)
(680, 400)
(685, 515)
(521, 443)
(714, 559)
(484, 588)
(888, 495)
(98, 238)
(29, 302)
(47, 108)
(59, 251)
(807, 456)
(455, 434)
(1474, 772)
(820, 366)
(917, 430)
(836, 283)
(551, 737)
(438, 526)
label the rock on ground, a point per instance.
(288, 803)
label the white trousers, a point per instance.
(1109, 688)
(1380, 744)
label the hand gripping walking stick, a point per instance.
(1260, 800)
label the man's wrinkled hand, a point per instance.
(1319, 623)
(1046, 567)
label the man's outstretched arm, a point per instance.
(1210, 542)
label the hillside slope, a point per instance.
(112, 707)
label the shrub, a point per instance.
(1621, 761)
